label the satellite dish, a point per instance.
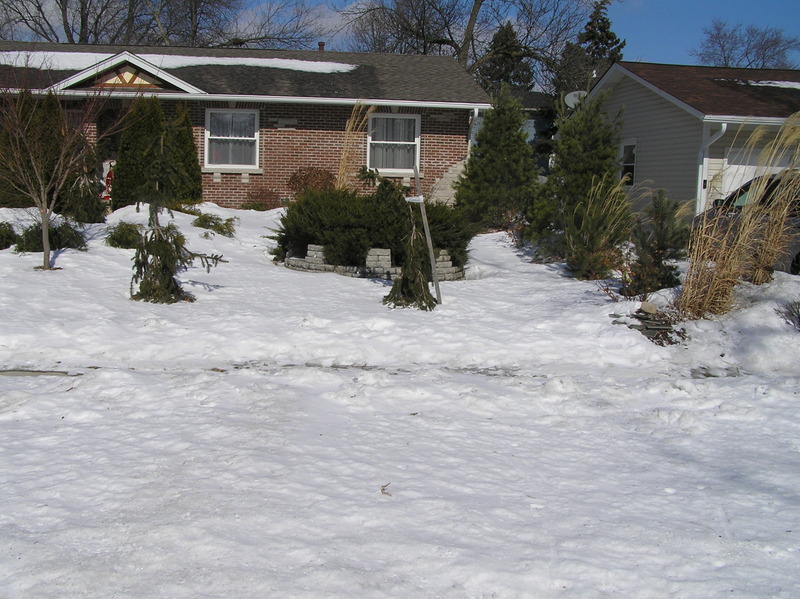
(573, 98)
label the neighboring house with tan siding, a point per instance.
(260, 115)
(684, 128)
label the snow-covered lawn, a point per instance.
(287, 435)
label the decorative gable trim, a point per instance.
(126, 71)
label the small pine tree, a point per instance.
(162, 252)
(506, 62)
(585, 151)
(659, 236)
(134, 172)
(500, 173)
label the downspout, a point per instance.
(702, 170)
(472, 122)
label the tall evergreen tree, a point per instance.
(575, 70)
(586, 150)
(597, 48)
(146, 141)
(188, 188)
(600, 42)
(500, 172)
(506, 62)
(134, 173)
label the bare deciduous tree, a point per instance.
(45, 153)
(747, 47)
(464, 28)
(196, 23)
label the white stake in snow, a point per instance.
(418, 199)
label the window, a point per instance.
(232, 139)
(393, 143)
(629, 162)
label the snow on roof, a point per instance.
(783, 84)
(78, 61)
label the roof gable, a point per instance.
(716, 91)
(124, 71)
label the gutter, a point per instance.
(204, 97)
(767, 121)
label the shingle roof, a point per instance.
(372, 76)
(725, 91)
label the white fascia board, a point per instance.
(206, 97)
(119, 59)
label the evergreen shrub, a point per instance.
(62, 236)
(659, 236)
(125, 235)
(216, 223)
(159, 257)
(348, 225)
(8, 236)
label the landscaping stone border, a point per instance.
(378, 265)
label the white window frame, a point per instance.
(239, 168)
(626, 167)
(416, 143)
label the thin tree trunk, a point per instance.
(45, 216)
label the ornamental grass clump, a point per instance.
(790, 312)
(596, 230)
(731, 244)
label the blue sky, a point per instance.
(665, 30)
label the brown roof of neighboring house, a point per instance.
(372, 76)
(725, 91)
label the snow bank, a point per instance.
(288, 435)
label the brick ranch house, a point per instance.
(260, 115)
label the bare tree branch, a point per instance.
(747, 47)
(195, 23)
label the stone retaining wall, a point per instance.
(378, 265)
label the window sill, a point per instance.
(397, 173)
(236, 170)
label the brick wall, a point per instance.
(293, 136)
